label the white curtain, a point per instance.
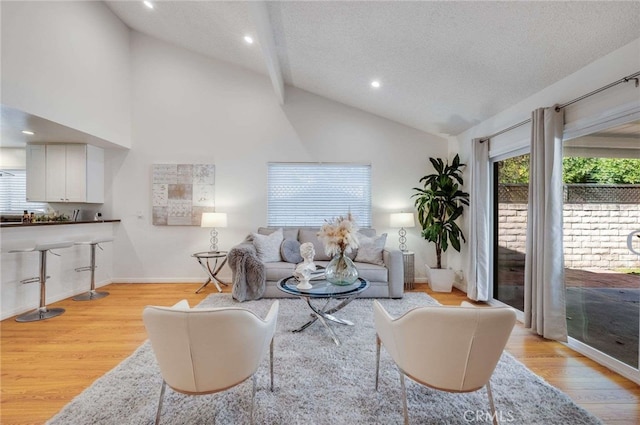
(544, 288)
(479, 223)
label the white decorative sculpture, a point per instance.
(304, 269)
(303, 279)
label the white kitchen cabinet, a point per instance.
(72, 173)
(56, 182)
(95, 175)
(76, 176)
(36, 175)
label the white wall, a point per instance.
(614, 66)
(68, 62)
(191, 109)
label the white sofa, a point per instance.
(258, 278)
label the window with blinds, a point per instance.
(308, 194)
(13, 193)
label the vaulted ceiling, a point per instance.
(443, 66)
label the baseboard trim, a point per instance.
(189, 280)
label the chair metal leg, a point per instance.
(271, 362)
(377, 359)
(253, 396)
(164, 387)
(491, 405)
(404, 399)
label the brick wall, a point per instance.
(595, 235)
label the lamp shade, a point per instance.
(213, 219)
(402, 220)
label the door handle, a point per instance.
(630, 241)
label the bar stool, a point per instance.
(92, 294)
(42, 312)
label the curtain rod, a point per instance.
(634, 76)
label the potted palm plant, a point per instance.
(440, 202)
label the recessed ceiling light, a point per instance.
(248, 39)
(27, 132)
(375, 84)
(148, 4)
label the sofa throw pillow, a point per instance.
(363, 231)
(268, 246)
(311, 235)
(370, 249)
(290, 251)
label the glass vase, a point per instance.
(341, 271)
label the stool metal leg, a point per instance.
(92, 294)
(42, 312)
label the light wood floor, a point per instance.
(45, 364)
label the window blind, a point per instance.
(13, 194)
(301, 194)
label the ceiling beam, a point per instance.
(264, 30)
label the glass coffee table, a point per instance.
(324, 290)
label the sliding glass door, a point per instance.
(510, 191)
(601, 208)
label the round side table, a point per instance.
(219, 259)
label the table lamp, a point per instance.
(214, 220)
(402, 220)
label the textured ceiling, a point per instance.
(444, 66)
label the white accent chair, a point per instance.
(205, 351)
(448, 348)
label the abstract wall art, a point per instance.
(181, 193)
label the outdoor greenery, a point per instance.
(439, 203)
(635, 272)
(577, 170)
(601, 170)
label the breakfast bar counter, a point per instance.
(16, 297)
(11, 224)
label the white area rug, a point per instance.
(317, 382)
